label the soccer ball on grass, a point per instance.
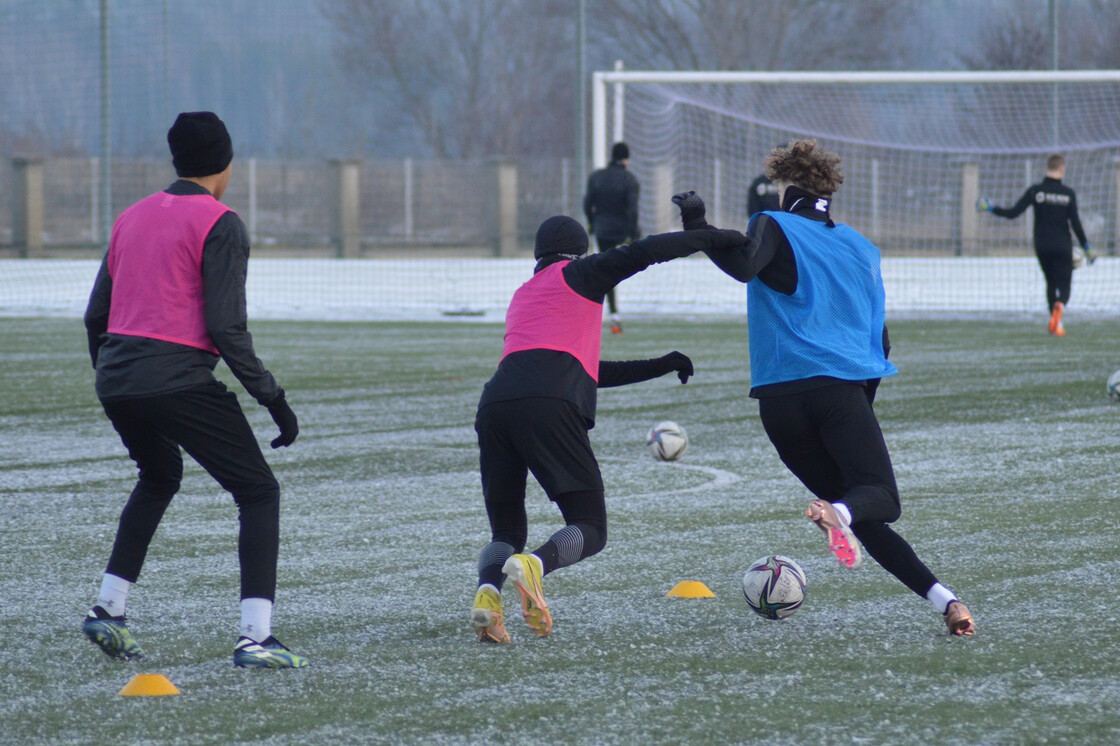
(774, 586)
(667, 441)
(1113, 386)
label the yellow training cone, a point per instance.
(149, 685)
(690, 589)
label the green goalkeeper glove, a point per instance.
(983, 204)
(1090, 255)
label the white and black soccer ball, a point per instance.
(667, 441)
(1078, 257)
(774, 586)
(1113, 386)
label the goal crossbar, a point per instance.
(619, 78)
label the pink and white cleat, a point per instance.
(841, 541)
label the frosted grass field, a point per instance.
(1005, 448)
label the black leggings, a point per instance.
(830, 439)
(207, 422)
(1057, 268)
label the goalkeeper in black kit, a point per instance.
(535, 412)
(1055, 212)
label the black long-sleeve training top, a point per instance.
(549, 373)
(130, 367)
(611, 203)
(1055, 212)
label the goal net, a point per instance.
(917, 150)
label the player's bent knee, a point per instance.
(262, 494)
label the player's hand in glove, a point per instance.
(692, 210)
(285, 419)
(983, 204)
(679, 362)
(1090, 255)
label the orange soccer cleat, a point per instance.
(1056, 320)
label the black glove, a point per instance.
(285, 419)
(679, 362)
(692, 210)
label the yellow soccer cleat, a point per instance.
(526, 571)
(487, 617)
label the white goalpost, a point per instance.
(918, 148)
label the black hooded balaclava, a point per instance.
(561, 235)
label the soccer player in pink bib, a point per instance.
(536, 410)
(167, 304)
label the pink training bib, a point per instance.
(155, 262)
(546, 314)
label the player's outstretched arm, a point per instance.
(1018, 209)
(620, 373)
(592, 276)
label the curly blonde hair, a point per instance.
(805, 164)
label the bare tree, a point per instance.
(1088, 32)
(757, 34)
(1015, 38)
(484, 77)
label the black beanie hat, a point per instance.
(200, 144)
(560, 235)
(620, 151)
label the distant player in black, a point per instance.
(611, 207)
(536, 410)
(1055, 212)
(762, 196)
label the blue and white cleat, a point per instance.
(249, 653)
(110, 633)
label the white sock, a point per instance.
(113, 594)
(844, 512)
(940, 597)
(256, 619)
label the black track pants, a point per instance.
(207, 423)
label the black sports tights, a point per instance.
(830, 439)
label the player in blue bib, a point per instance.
(818, 349)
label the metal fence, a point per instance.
(405, 205)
